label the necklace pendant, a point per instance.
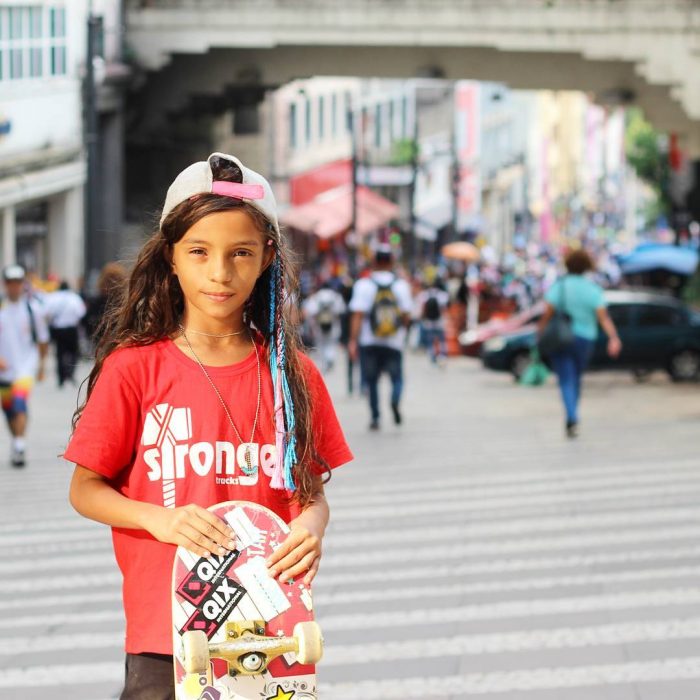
(249, 468)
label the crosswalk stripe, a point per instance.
(458, 550)
(502, 566)
(60, 642)
(490, 528)
(513, 608)
(52, 583)
(57, 675)
(389, 511)
(436, 591)
(583, 484)
(505, 681)
(499, 643)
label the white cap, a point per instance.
(198, 179)
(13, 272)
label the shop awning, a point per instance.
(330, 213)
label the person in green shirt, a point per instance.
(584, 301)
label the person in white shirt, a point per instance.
(24, 343)
(430, 309)
(65, 309)
(324, 309)
(381, 305)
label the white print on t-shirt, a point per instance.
(167, 432)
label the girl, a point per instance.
(199, 394)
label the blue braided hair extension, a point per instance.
(285, 423)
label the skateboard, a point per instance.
(239, 634)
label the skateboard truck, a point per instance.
(247, 650)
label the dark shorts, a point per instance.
(149, 677)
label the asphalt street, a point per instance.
(473, 551)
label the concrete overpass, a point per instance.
(625, 51)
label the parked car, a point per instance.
(471, 341)
(657, 332)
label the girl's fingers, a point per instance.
(204, 546)
(298, 569)
(215, 528)
(313, 570)
(288, 546)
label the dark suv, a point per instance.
(657, 332)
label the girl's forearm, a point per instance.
(316, 515)
(95, 499)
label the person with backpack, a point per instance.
(381, 305)
(430, 306)
(324, 309)
(24, 345)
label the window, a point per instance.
(321, 117)
(653, 315)
(621, 314)
(32, 41)
(292, 126)
(307, 120)
(58, 40)
(334, 115)
(378, 126)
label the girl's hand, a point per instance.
(300, 553)
(192, 527)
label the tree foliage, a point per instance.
(644, 151)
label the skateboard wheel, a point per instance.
(310, 642)
(195, 647)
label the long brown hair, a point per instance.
(149, 309)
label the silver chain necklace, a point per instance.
(215, 335)
(249, 467)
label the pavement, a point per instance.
(473, 551)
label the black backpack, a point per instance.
(385, 315)
(431, 309)
(325, 317)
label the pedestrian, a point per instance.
(323, 309)
(64, 309)
(110, 285)
(24, 343)
(346, 294)
(381, 304)
(584, 302)
(431, 304)
(199, 394)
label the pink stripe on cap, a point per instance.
(237, 190)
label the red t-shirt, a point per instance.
(156, 430)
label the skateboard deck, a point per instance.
(238, 634)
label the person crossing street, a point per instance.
(24, 343)
(381, 305)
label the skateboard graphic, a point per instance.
(239, 634)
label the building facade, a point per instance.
(42, 167)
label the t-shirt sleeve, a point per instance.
(329, 442)
(552, 295)
(104, 440)
(362, 296)
(598, 297)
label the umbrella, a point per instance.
(461, 250)
(680, 261)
